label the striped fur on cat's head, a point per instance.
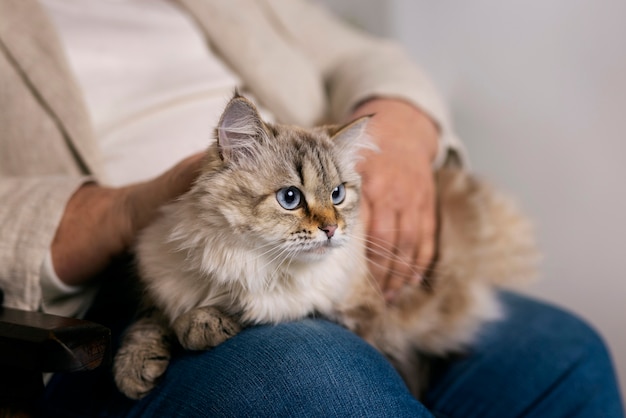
(292, 190)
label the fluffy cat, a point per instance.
(269, 232)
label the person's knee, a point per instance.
(539, 360)
(580, 343)
(305, 367)
(564, 352)
(558, 331)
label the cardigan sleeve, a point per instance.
(45, 143)
(30, 213)
(357, 66)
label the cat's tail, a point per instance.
(483, 234)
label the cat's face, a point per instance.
(309, 201)
(290, 192)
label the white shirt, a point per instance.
(149, 79)
(153, 88)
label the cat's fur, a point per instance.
(227, 255)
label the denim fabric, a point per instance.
(538, 362)
(306, 368)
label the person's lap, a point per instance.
(538, 361)
(304, 368)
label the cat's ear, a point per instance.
(239, 130)
(353, 137)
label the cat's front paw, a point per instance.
(204, 328)
(142, 359)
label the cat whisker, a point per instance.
(371, 280)
(287, 254)
(438, 269)
(381, 251)
(272, 247)
(277, 256)
(278, 261)
(290, 257)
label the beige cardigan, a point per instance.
(302, 64)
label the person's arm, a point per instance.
(101, 222)
(358, 67)
(366, 75)
(398, 205)
(82, 224)
(30, 210)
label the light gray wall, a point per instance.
(538, 94)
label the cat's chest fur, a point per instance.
(296, 291)
(244, 282)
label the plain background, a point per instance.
(537, 90)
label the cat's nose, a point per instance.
(329, 229)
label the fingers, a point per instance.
(401, 241)
(380, 248)
(427, 242)
(403, 270)
(399, 184)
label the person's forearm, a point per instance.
(87, 235)
(101, 222)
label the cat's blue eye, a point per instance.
(289, 197)
(338, 194)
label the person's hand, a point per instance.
(398, 205)
(100, 223)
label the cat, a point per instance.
(269, 232)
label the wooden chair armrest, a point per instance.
(33, 342)
(51, 343)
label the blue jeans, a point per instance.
(539, 362)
